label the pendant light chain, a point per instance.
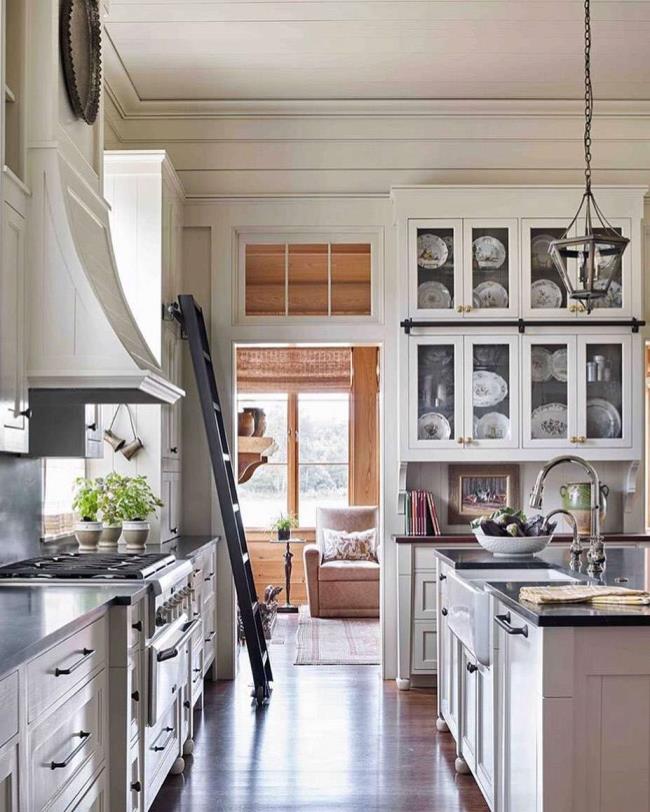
(589, 98)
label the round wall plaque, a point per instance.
(80, 36)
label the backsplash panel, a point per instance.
(20, 507)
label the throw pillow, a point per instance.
(341, 546)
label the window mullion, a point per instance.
(292, 454)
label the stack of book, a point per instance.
(421, 514)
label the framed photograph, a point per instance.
(478, 489)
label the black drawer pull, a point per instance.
(136, 786)
(85, 738)
(504, 622)
(173, 529)
(174, 449)
(442, 577)
(135, 696)
(471, 668)
(187, 704)
(137, 625)
(92, 426)
(25, 413)
(60, 672)
(167, 654)
(210, 637)
(444, 611)
(158, 747)
(209, 577)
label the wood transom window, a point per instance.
(308, 278)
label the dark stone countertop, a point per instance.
(36, 617)
(625, 567)
(188, 546)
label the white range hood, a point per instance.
(83, 336)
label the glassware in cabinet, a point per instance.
(435, 267)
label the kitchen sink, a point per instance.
(468, 604)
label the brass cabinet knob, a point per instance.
(572, 308)
(469, 440)
(468, 308)
(460, 308)
(573, 439)
(460, 440)
(582, 439)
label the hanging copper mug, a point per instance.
(116, 442)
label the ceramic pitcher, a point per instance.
(576, 498)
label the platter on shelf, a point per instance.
(549, 421)
(603, 419)
(541, 364)
(433, 296)
(545, 293)
(493, 426)
(490, 294)
(432, 251)
(489, 252)
(488, 389)
(559, 365)
(540, 255)
(433, 426)
(613, 297)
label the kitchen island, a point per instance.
(549, 705)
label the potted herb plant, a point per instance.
(86, 503)
(136, 503)
(111, 487)
(284, 525)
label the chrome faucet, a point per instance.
(596, 554)
(575, 549)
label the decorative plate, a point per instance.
(559, 365)
(549, 421)
(449, 242)
(539, 253)
(603, 419)
(541, 364)
(545, 293)
(433, 296)
(488, 389)
(432, 251)
(489, 253)
(433, 426)
(80, 41)
(490, 294)
(613, 297)
(493, 426)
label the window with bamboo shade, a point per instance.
(307, 278)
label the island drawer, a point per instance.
(163, 748)
(68, 747)
(9, 705)
(59, 669)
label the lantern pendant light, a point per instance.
(599, 251)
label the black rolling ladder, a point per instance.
(190, 315)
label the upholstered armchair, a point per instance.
(342, 588)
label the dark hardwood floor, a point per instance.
(332, 738)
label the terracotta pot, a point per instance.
(135, 534)
(87, 534)
(245, 423)
(110, 536)
(576, 498)
(260, 421)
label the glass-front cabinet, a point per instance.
(618, 301)
(491, 268)
(435, 261)
(466, 392)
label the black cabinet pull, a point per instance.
(472, 668)
(92, 426)
(504, 622)
(136, 786)
(25, 413)
(85, 738)
(174, 449)
(444, 611)
(210, 637)
(187, 704)
(135, 696)
(442, 577)
(167, 654)
(137, 625)
(209, 577)
(158, 747)
(59, 672)
(173, 529)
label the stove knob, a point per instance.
(160, 617)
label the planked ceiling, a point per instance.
(379, 49)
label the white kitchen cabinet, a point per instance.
(468, 707)
(463, 392)
(484, 752)
(14, 407)
(435, 262)
(543, 293)
(171, 413)
(170, 512)
(9, 777)
(620, 300)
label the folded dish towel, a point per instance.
(575, 593)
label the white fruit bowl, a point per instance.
(509, 546)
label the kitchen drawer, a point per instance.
(137, 694)
(9, 706)
(423, 649)
(425, 587)
(163, 746)
(9, 777)
(64, 666)
(209, 631)
(196, 671)
(136, 780)
(136, 629)
(209, 575)
(58, 754)
(424, 558)
(93, 799)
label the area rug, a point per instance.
(337, 641)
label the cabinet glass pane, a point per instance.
(614, 297)
(435, 250)
(436, 392)
(547, 291)
(491, 392)
(490, 282)
(549, 391)
(308, 270)
(604, 376)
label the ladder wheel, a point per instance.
(259, 695)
